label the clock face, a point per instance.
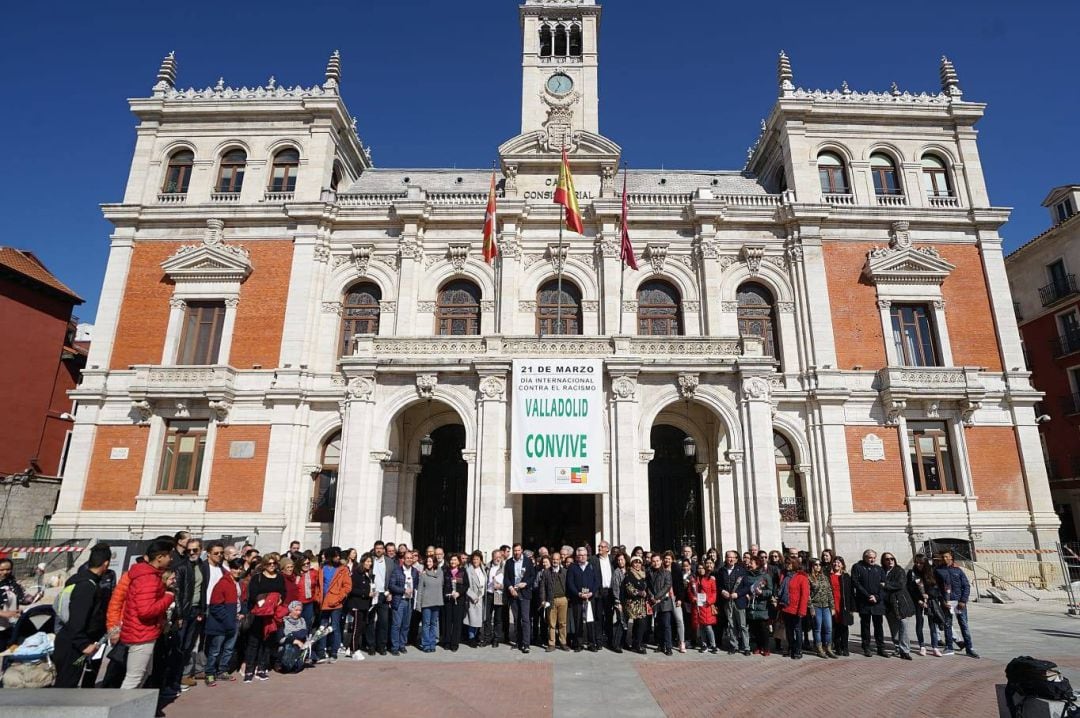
(559, 84)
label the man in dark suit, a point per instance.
(583, 586)
(378, 627)
(519, 577)
(402, 587)
(729, 581)
(604, 566)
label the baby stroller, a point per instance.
(31, 666)
(40, 618)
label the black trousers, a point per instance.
(68, 675)
(359, 627)
(585, 634)
(618, 629)
(257, 651)
(793, 628)
(879, 632)
(759, 633)
(640, 625)
(605, 611)
(378, 627)
(840, 634)
(453, 616)
(495, 621)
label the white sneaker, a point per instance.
(922, 650)
(348, 653)
(937, 652)
(358, 656)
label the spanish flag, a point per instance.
(565, 195)
(490, 248)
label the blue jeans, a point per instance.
(962, 619)
(219, 650)
(399, 626)
(308, 614)
(333, 619)
(822, 626)
(429, 627)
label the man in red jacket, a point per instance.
(148, 598)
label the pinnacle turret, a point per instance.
(950, 82)
(166, 74)
(333, 71)
(784, 77)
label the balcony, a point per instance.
(847, 200)
(278, 197)
(225, 197)
(196, 382)
(943, 201)
(1056, 291)
(793, 509)
(1065, 344)
(891, 200)
(1070, 404)
(172, 198)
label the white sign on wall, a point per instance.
(118, 452)
(241, 449)
(873, 448)
(557, 434)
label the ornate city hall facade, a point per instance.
(818, 350)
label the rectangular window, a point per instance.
(182, 457)
(931, 462)
(913, 335)
(200, 339)
(1065, 210)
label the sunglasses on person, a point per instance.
(194, 551)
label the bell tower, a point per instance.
(559, 63)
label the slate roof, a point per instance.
(384, 181)
(28, 266)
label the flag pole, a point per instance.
(622, 263)
(498, 269)
(558, 271)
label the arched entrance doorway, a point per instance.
(441, 486)
(676, 510)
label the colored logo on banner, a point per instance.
(562, 475)
(579, 475)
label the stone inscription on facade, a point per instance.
(873, 448)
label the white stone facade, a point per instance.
(707, 233)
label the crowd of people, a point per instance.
(186, 612)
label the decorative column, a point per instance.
(411, 212)
(471, 519)
(735, 523)
(629, 479)
(392, 500)
(490, 507)
(508, 275)
(358, 516)
(758, 444)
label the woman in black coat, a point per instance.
(358, 604)
(842, 615)
(455, 584)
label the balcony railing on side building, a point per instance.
(1065, 344)
(1070, 404)
(1057, 290)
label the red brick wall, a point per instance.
(967, 309)
(994, 458)
(112, 484)
(237, 484)
(857, 321)
(876, 485)
(260, 316)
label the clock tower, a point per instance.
(559, 69)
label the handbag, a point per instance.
(118, 654)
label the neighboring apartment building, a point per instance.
(41, 363)
(1046, 296)
(819, 349)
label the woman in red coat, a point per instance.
(701, 594)
(794, 598)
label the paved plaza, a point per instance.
(500, 682)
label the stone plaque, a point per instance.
(241, 449)
(118, 453)
(873, 448)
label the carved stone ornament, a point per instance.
(884, 303)
(181, 411)
(778, 260)
(387, 305)
(141, 411)
(646, 456)
(310, 469)
(900, 237)
(212, 260)
(332, 308)
(390, 260)
(903, 263)
(590, 305)
(607, 247)
(458, 254)
(427, 307)
(361, 388)
(734, 456)
(322, 251)
(410, 247)
(177, 303)
(527, 305)
(220, 410)
(425, 385)
(509, 246)
(557, 256)
(785, 307)
(729, 306)
(967, 411)
(688, 384)
(232, 302)
(795, 253)
(893, 411)
(933, 410)
(487, 305)
(492, 388)
(361, 255)
(630, 305)
(752, 255)
(657, 256)
(623, 387)
(755, 388)
(726, 261)
(706, 249)
(691, 306)
(510, 172)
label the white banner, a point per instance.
(557, 430)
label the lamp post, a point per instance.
(427, 443)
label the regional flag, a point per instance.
(626, 252)
(565, 195)
(490, 247)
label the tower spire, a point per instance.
(784, 77)
(333, 71)
(950, 82)
(166, 74)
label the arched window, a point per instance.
(324, 493)
(756, 315)
(547, 308)
(335, 177)
(935, 177)
(560, 41)
(792, 502)
(359, 314)
(231, 174)
(283, 173)
(178, 173)
(658, 309)
(545, 41)
(832, 174)
(457, 311)
(886, 181)
(575, 41)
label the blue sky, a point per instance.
(683, 85)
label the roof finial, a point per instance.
(166, 74)
(333, 71)
(784, 76)
(950, 82)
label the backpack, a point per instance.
(1039, 679)
(62, 605)
(783, 596)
